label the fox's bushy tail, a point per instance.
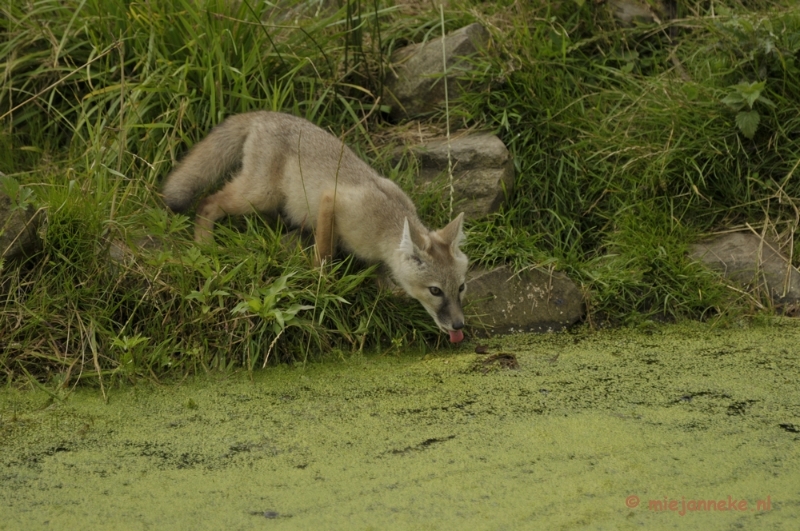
(206, 163)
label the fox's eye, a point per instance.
(462, 287)
(436, 292)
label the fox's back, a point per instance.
(316, 162)
(318, 154)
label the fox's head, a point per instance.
(433, 270)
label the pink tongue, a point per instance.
(456, 336)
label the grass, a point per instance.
(628, 143)
(625, 146)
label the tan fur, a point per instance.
(324, 237)
(282, 163)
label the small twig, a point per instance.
(447, 113)
(684, 75)
(364, 119)
(92, 339)
(93, 346)
(746, 294)
(266, 358)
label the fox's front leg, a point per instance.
(325, 236)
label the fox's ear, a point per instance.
(453, 233)
(411, 243)
(407, 246)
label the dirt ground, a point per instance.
(674, 427)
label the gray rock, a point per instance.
(753, 263)
(483, 172)
(18, 229)
(534, 301)
(414, 85)
(630, 12)
(121, 252)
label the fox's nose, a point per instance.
(458, 325)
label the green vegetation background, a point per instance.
(629, 144)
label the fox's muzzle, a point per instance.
(450, 317)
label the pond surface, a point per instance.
(680, 427)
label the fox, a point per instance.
(279, 164)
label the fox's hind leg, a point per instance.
(254, 188)
(240, 196)
(208, 211)
(325, 236)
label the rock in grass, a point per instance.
(753, 263)
(414, 84)
(483, 172)
(632, 12)
(498, 301)
(18, 229)
(123, 253)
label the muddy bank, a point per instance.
(564, 431)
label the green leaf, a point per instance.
(747, 121)
(766, 101)
(20, 195)
(195, 258)
(227, 278)
(10, 186)
(691, 91)
(734, 100)
(750, 91)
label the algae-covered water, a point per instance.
(681, 427)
